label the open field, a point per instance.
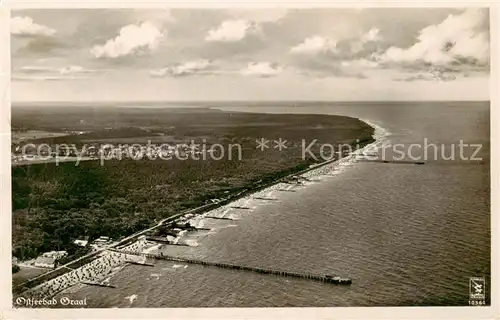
(26, 273)
(19, 136)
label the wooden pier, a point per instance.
(264, 198)
(298, 178)
(140, 263)
(308, 276)
(239, 207)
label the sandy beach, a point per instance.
(96, 271)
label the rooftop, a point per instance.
(45, 260)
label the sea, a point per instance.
(406, 234)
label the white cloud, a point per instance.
(24, 26)
(74, 70)
(69, 70)
(244, 22)
(360, 63)
(133, 39)
(232, 30)
(315, 45)
(262, 69)
(372, 35)
(457, 39)
(428, 77)
(36, 69)
(187, 68)
(50, 73)
(44, 78)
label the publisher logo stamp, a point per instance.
(477, 288)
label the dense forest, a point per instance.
(55, 204)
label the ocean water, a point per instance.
(407, 235)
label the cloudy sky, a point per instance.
(250, 54)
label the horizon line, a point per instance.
(228, 101)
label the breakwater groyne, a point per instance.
(218, 218)
(394, 161)
(308, 276)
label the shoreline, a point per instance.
(314, 170)
(210, 208)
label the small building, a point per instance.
(45, 262)
(55, 254)
(100, 242)
(102, 239)
(82, 242)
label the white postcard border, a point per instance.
(7, 312)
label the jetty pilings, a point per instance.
(98, 284)
(309, 276)
(394, 161)
(219, 218)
